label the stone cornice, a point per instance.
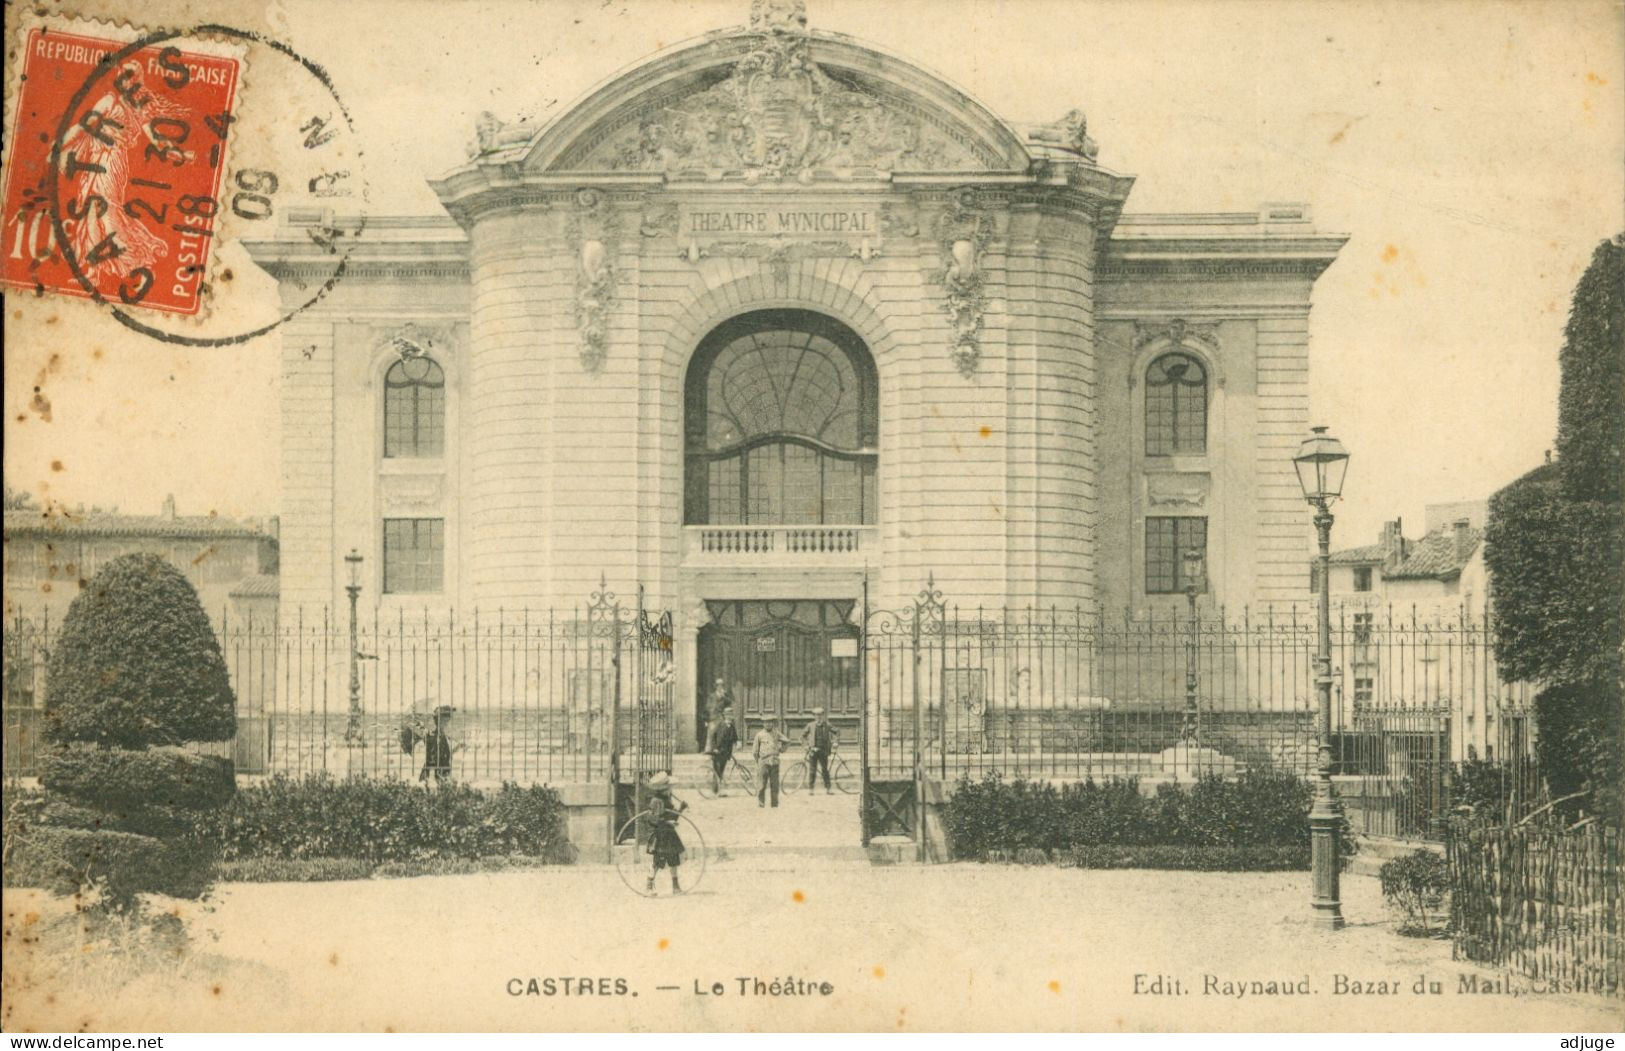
(1201, 269)
(1242, 251)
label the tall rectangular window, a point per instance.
(1362, 578)
(414, 555)
(1166, 541)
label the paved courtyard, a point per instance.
(903, 948)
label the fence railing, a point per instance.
(541, 696)
(1543, 900)
(549, 696)
(1074, 694)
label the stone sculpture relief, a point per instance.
(963, 231)
(779, 114)
(492, 134)
(593, 232)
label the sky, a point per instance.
(1473, 152)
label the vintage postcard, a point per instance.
(757, 515)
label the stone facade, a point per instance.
(1010, 310)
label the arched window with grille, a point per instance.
(414, 408)
(1175, 406)
(781, 424)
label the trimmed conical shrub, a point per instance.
(137, 663)
(136, 673)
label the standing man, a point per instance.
(720, 740)
(819, 739)
(765, 749)
(721, 697)
(437, 747)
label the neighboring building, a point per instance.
(1414, 619)
(1440, 574)
(50, 555)
(774, 320)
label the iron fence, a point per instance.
(1073, 694)
(558, 695)
(1542, 899)
(538, 696)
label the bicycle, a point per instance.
(735, 775)
(841, 776)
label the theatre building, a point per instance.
(775, 320)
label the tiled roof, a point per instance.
(260, 585)
(106, 524)
(1354, 555)
(1435, 555)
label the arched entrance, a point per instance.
(781, 445)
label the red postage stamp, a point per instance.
(136, 148)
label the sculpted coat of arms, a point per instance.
(779, 113)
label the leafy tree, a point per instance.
(1555, 549)
(1591, 401)
(135, 672)
(1556, 576)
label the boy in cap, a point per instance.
(665, 845)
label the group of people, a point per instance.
(818, 739)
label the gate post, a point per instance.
(863, 714)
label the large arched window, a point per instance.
(782, 425)
(1175, 406)
(414, 408)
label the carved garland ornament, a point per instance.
(411, 341)
(593, 229)
(780, 253)
(963, 232)
(1177, 331)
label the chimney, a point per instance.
(169, 506)
(1393, 541)
(1464, 539)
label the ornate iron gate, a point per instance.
(904, 671)
(638, 649)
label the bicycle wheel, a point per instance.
(795, 778)
(707, 788)
(745, 779)
(632, 865)
(845, 780)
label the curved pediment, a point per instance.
(772, 101)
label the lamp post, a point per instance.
(1321, 463)
(352, 727)
(1194, 585)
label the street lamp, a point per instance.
(1194, 585)
(1321, 463)
(352, 727)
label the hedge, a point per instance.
(1258, 810)
(117, 778)
(1190, 859)
(67, 860)
(157, 822)
(389, 820)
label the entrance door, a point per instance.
(781, 659)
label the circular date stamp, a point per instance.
(144, 163)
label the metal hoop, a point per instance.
(637, 888)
